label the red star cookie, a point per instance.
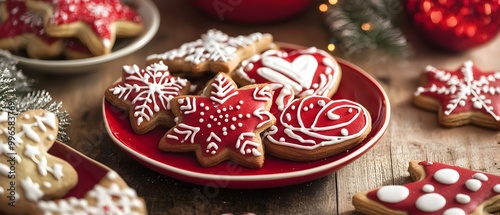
(147, 94)
(95, 22)
(308, 71)
(466, 95)
(24, 29)
(223, 123)
(439, 189)
(215, 52)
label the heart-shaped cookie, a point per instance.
(317, 127)
(308, 71)
(28, 173)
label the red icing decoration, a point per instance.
(98, 14)
(449, 192)
(465, 89)
(223, 118)
(296, 69)
(20, 21)
(316, 121)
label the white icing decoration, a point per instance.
(430, 202)
(32, 152)
(4, 116)
(2, 190)
(32, 190)
(213, 46)
(480, 176)
(393, 193)
(155, 92)
(428, 188)
(496, 188)
(463, 198)
(474, 90)
(454, 211)
(473, 184)
(447, 176)
(298, 133)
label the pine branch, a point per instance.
(346, 18)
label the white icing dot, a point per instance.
(473, 184)
(240, 102)
(202, 104)
(428, 188)
(207, 108)
(344, 132)
(209, 125)
(462, 198)
(218, 111)
(447, 176)
(201, 120)
(496, 188)
(393, 193)
(240, 115)
(234, 119)
(238, 107)
(26, 116)
(1, 190)
(454, 211)
(50, 137)
(240, 124)
(430, 202)
(282, 139)
(248, 115)
(47, 184)
(202, 113)
(480, 176)
(232, 127)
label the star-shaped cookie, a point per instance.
(215, 51)
(463, 96)
(147, 94)
(96, 23)
(439, 189)
(223, 123)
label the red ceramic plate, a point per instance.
(355, 85)
(90, 172)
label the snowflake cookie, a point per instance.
(147, 93)
(97, 23)
(224, 123)
(215, 51)
(308, 71)
(467, 95)
(317, 127)
(28, 173)
(438, 189)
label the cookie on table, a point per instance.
(28, 173)
(437, 189)
(147, 94)
(97, 23)
(223, 123)
(215, 51)
(308, 71)
(462, 96)
(317, 127)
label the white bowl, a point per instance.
(122, 47)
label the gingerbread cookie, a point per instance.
(97, 23)
(28, 173)
(308, 71)
(23, 29)
(223, 123)
(147, 94)
(316, 127)
(463, 96)
(438, 189)
(110, 196)
(215, 51)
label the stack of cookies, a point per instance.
(239, 98)
(47, 29)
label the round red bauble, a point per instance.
(252, 11)
(455, 25)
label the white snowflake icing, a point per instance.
(476, 90)
(153, 86)
(213, 46)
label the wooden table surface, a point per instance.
(413, 134)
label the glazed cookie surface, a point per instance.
(316, 127)
(215, 52)
(224, 123)
(438, 189)
(308, 71)
(462, 96)
(147, 94)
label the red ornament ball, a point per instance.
(455, 25)
(252, 11)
